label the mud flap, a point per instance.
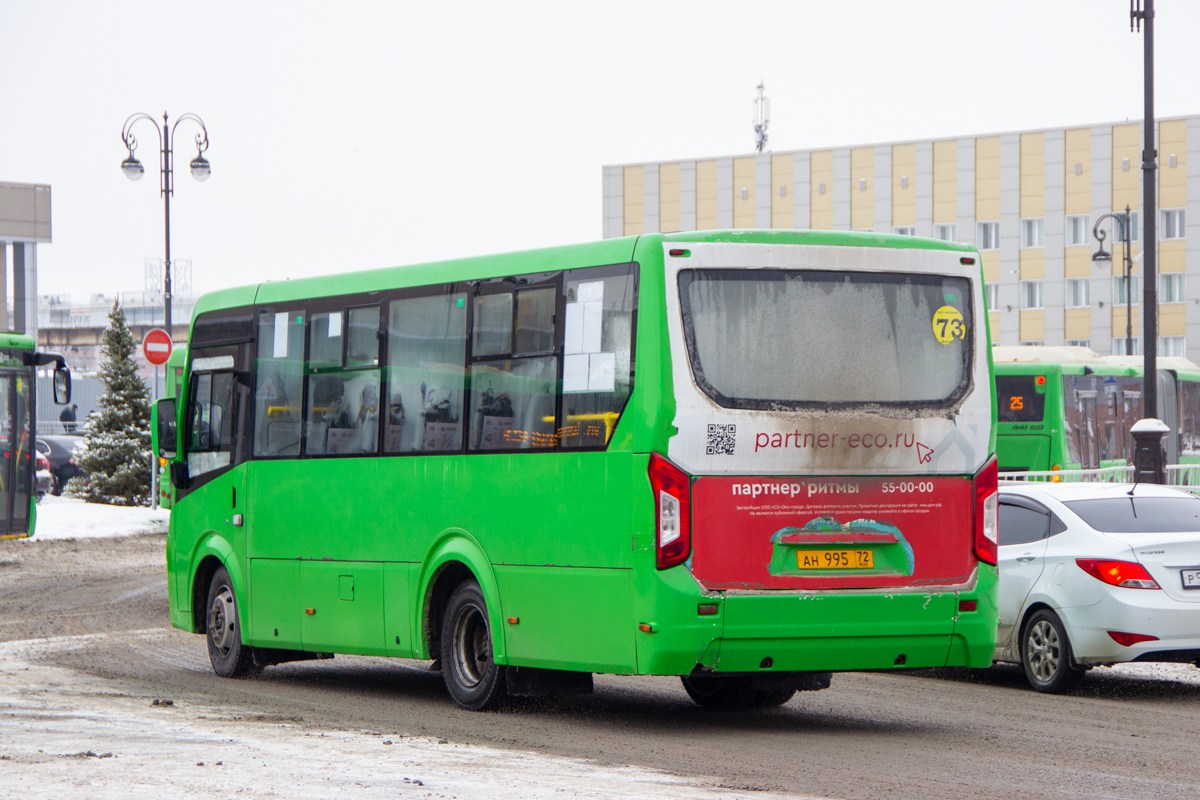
(270, 656)
(537, 682)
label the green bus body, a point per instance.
(359, 554)
(1079, 415)
(18, 426)
(172, 387)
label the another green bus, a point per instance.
(746, 458)
(172, 387)
(1067, 408)
(19, 361)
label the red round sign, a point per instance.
(156, 346)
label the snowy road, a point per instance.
(85, 650)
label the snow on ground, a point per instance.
(67, 735)
(68, 518)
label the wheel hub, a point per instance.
(221, 622)
(1043, 651)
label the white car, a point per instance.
(1096, 573)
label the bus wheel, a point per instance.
(230, 658)
(714, 692)
(473, 678)
(1046, 654)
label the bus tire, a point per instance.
(1046, 654)
(473, 678)
(718, 692)
(230, 658)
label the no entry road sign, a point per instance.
(156, 346)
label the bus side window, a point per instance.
(343, 404)
(279, 376)
(427, 347)
(211, 413)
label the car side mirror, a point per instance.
(165, 427)
(62, 385)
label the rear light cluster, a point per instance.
(672, 512)
(987, 510)
(1126, 574)
(1129, 639)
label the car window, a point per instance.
(1139, 514)
(1022, 525)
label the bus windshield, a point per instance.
(778, 339)
(1017, 400)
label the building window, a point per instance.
(1172, 346)
(1079, 292)
(991, 294)
(1173, 222)
(1172, 287)
(1133, 226)
(1120, 296)
(1118, 347)
(1033, 232)
(1078, 229)
(947, 233)
(987, 235)
(905, 230)
(1032, 343)
(1079, 342)
(1033, 295)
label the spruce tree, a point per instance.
(117, 457)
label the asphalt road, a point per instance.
(953, 734)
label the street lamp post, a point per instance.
(1139, 15)
(1104, 255)
(166, 163)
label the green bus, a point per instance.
(19, 361)
(172, 387)
(1067, 408)
(746, 458)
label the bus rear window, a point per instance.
(1018, 400)
(780, 339)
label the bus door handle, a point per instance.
(237, 520)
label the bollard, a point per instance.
(1149, 454)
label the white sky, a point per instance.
(353, 135)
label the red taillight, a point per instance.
(672, 512)
(987, 508)
(1127, 639)
(1126, 574)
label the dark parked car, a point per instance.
(60, 451)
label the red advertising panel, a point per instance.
(831, 533)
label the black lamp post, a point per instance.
(1104, 255)
(166, 162)
(1150, 236)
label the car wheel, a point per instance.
(1046, 654)
(230, 658)
(472, 676)
(717, 692)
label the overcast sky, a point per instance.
(352, 135)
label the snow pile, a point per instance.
(67, 518)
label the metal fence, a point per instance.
(1179, 476)
(85, 393)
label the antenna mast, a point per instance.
(762, 118)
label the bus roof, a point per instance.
(1039, 354)
(17, 340)
(550, 259)
(1176, 364)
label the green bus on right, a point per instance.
(1067, 408)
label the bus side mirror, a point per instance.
(62, 385)
(165, 428)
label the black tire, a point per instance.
(1046, 654)
(230, 657)
(714, 692)
(473, 678)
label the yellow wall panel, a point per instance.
(990, 261)
(1033, 326)
(994, 326)
(1118, 321)
(1077, 263)
(1172, 255)
(821, 205)
(1125, 181)
(1172, 182)
(1033, 175)
(706, 195)
(987, 178)
(1077, 323)
(743, 192)
(782, 207)
(862, 201)
(904, 198)
(635, 222)
(1172, 318)
(1033, 264)
(668, 197)
(1078, 188)
(945, 183)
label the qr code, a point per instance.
(721, 439)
